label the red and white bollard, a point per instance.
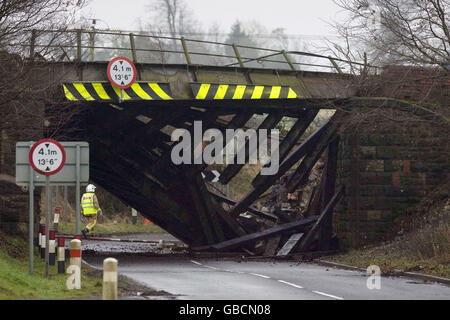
(75, 253)
(39, 237)
(74, 269)
(52, 248)
(43, 241)
(61, 255)
(56, 218)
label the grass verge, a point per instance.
(421, 243)
(17, 284)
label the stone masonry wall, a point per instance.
(388, 163)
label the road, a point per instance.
(231, 280)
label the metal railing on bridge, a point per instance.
(97, 45)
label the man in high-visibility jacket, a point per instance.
(91, 208)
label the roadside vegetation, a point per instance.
(17, 284)
(421, 244)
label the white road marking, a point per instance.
(291, 284)
(259, 275)
(266, 277)
(197, 263)
(209, 267)
(328, 295)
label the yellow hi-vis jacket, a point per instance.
(89, 203)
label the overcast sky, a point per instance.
(296, 16)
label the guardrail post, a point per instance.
(134, 55)
(110, 279)
(32, 43)
(79, 45)
(186, 51)
(238, 55)
(335, 65)
(133, 48)
(291, 65)
(91, 45)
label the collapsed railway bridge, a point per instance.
(130, 140)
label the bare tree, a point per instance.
(27, 83)
(412, 32)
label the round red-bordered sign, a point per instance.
(49, 159)
(121, 72)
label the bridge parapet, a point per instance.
(99, 46)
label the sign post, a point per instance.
(47, 157)
(31, 220)
(122, 74)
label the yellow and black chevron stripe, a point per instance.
(104, 91)
(208, 91)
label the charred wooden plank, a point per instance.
(267, 182)
(211, 206)
(201, 212)
(301, 174)
(290, 245)
(299, 128)
(233, 169)
(145, 186)
(272, 245)
(230, 244)
(232, 223)
(326, 229)
(130, 195)
(261, 214)
(327, 211)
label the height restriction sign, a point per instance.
(47, 157)
(121, 72)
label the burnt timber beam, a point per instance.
(297, 131)
(301, 174)
(256, 212)
(146, 187)
(211, 206)
(201, 212)
(295, 106)
(126, 193)
(326, 230)
(233, 169)
(237, 242)
(290, 245)
(268, 181)
(308, 239)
